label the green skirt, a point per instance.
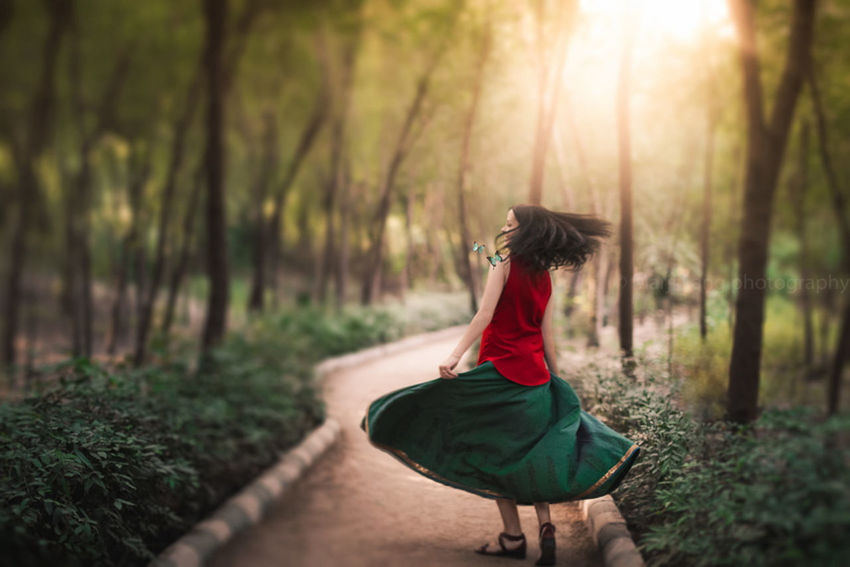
(485, 434)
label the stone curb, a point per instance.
(608, 529)
(249, 506)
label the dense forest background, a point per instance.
(173, 168)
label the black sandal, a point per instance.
(518, 553)
(547, 544)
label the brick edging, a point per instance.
(608, 529)
(250, 504)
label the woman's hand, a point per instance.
(447, 367)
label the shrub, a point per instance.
(775, 492)
(110, 467)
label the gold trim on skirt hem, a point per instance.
(611, 471)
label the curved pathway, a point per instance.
(358, 506)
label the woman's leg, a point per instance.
(510, 518)
(542, 509)
(510, 515)
(547, 534)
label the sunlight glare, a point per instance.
(679, 19)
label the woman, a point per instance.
(511, 429)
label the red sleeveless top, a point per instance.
(513, 341)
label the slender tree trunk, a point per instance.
(39, 130)
(7, 12)
(305, 143)
(342, 256)
(838, 361)
(766, 143)
(215, 13)
(333, 186)
(406, 136)
(599, 293)
(407, 272)
(432, 211)
(256, 298)
(546, 113)
(839, 206)
(570, 299)
(606, 284)
(827, 309)
(135, 193)
(597, 296)
(729, 251)
(705, 231)
(464, 166)
(220, 68)
(626, 231)
(70, 278)
(181, 129)
(80, 205)
(178, 274)
(798, 188)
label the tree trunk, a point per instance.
(178, 144)
(626, 231)
(256, 298)
(464, 166)
(798, 188)
(839, 206)
(705, 231)
(546, 113)
(341, 287)
(570, 299)
(766, 143)
(729, 250)
(179, 271)
(374, 259)
(135, 194)
(838, 361)
(407, 272)
(597, 295)
(78, 253)
(215, 13)
(26, 153)
(305, 142)
(335, 181)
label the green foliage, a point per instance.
(706, 363)
(109, 468)
(776, 492)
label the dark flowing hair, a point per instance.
(548, 240)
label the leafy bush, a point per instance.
(776, 492)
(109, 468)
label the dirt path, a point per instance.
(359, 506)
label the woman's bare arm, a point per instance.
(549, 350)
(492, 292)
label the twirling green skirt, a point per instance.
(485, 434)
